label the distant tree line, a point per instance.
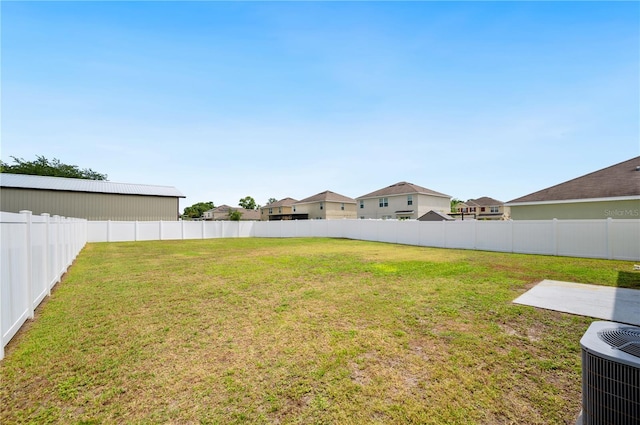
(197, 210)
(41, 166)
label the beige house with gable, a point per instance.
(326, 205)
(280, 210)
(484, 208)
(402, 201)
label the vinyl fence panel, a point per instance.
(408, 232)
(534, 237)
(35, 251)
(15, 274)
(494, 236)
(193, 229)
(171, 230)
(582, 238)
(432, 233)
(39, 259)
(460, 234)
(624, 239)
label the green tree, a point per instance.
(248, 203)
(454, 204)
(271, 201)
(196, 210)
(41, 166)
(234, 215)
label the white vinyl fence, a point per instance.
(35, 252)
(608, 238)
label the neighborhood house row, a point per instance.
(401, 201)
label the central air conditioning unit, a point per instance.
(611, 374)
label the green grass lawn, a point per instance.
(305, 331)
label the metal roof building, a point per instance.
(90, 199)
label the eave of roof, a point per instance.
(573, 201)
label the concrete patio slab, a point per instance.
(620, 305)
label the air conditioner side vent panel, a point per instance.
(610, 376)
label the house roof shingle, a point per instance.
(327, 196)
(403, 188)
(484, 201)
(27, 181)
(619, 180)
(285, 202)
(435, 215)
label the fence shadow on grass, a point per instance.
(629, 280)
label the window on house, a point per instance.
(321, 206)
(383, 202)
(270, 210)
(409, 199)
(279, 210)
(482, 209)
(495, 209)
(361, 204)
(472, 209)
(294, 208)
(342, 207)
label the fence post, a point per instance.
(56, 250)
(29, 282)
(160, 224)
(202, 228)
(511, 230)
(135, 231)
(108, 230)
(47, 254)
(444, 233)
(475, 234)
(554, 224)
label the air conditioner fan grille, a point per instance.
(624, 339)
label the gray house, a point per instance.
(90, 199)
(610, 192)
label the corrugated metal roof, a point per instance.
(26, 181)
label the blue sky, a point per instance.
(275, 99)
